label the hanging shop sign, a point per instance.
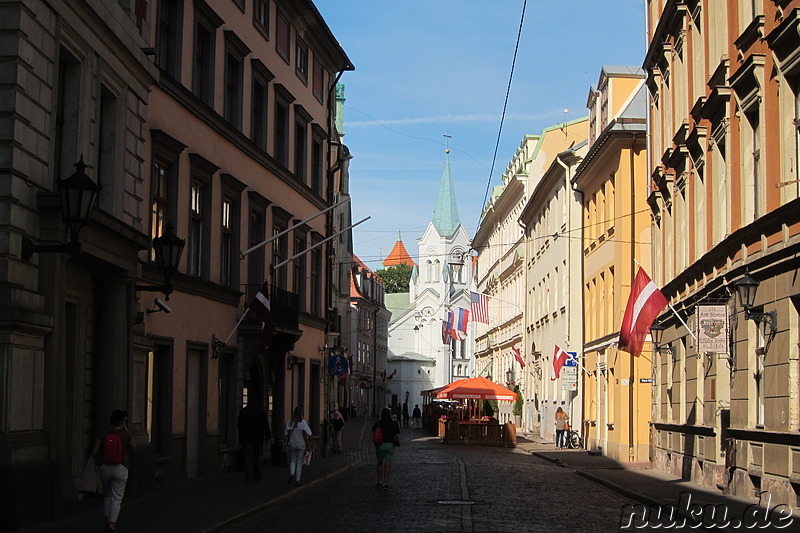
(712, 328)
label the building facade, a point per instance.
(210, 122)
(616, 236)
(552, 300)
(724, 197)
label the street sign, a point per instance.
(645, 380)
(572, 359)
(569, 378)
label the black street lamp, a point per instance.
(78, 196)
(657, 333)
(168, 248)
(510, 376)
(746, 288)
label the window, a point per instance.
(301, 60)
(229, 231)
(233, 89)
(261, 16)
(235, 52)
(317, 165)
(299, 274)
(280, 247)
(199, 237)
(281, 132)
(163, 183)
(106, 156)
(195, 244)
(204, 50)
(258, 123)
(315, 280)
(256, 235)
(226, 238)
(318, 82)
(168, 43)
(67, 114)
(300, 143)
(282, 36)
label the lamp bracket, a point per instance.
(771, 318)
(29, 248)
(165, 289)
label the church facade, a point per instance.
(439, 284)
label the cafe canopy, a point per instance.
(478, 388)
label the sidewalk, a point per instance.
(209, 503)
(656, 490)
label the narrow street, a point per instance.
(436, 487)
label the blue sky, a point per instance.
(425, 68)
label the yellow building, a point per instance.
(725, 201)
(616, 234)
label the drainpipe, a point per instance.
(632, 379)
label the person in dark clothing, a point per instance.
(405, 414)
(390, 431)
(417, 416)
(253, 429)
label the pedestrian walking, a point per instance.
(405, 414)
(417, 416)
(253, 427)
(337, 425)
(561, 425)
(385, 444)
(296, 442)
(112, 449)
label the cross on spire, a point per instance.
(447, 143)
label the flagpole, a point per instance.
(320, 243)
(673, 309)
(219, 346)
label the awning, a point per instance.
(478, 388)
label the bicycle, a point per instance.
(573, 439)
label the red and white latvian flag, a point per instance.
(518, 356)
(559, 358)
(261, 306)
(644, 305)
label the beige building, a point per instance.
(522, 267)
(616, 234)
(211, 117)
(724, 199)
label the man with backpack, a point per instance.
(111, 450)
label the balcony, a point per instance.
(282, 302)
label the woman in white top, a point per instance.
(296, 441)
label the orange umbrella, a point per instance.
(478, 388)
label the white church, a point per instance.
(418, 359)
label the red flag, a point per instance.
(559, 358)
(644, 304)
(261, 306)
(445, 332)
(518, 356)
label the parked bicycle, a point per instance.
(573, 439)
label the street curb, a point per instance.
(637, 496)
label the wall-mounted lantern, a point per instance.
(78, 194)
(657, 333)
(168, 248)
(746, 288)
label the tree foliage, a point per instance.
(396, 278)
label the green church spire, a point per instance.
(445, 215)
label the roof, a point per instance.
(398, 303)
(398, 255)
(445, 215)
(410, 356)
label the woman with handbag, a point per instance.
(385, 443)
(296, 443)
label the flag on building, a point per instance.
(479, 303)
(461, 323)
(644, 304)
(518, 356)
(559, 358)
(446, 331)
(261, 307)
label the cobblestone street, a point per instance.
(435, 487)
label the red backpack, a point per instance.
(112, 448)
(377, 436)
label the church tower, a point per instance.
(441, 283)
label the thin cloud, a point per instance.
(438, 119)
